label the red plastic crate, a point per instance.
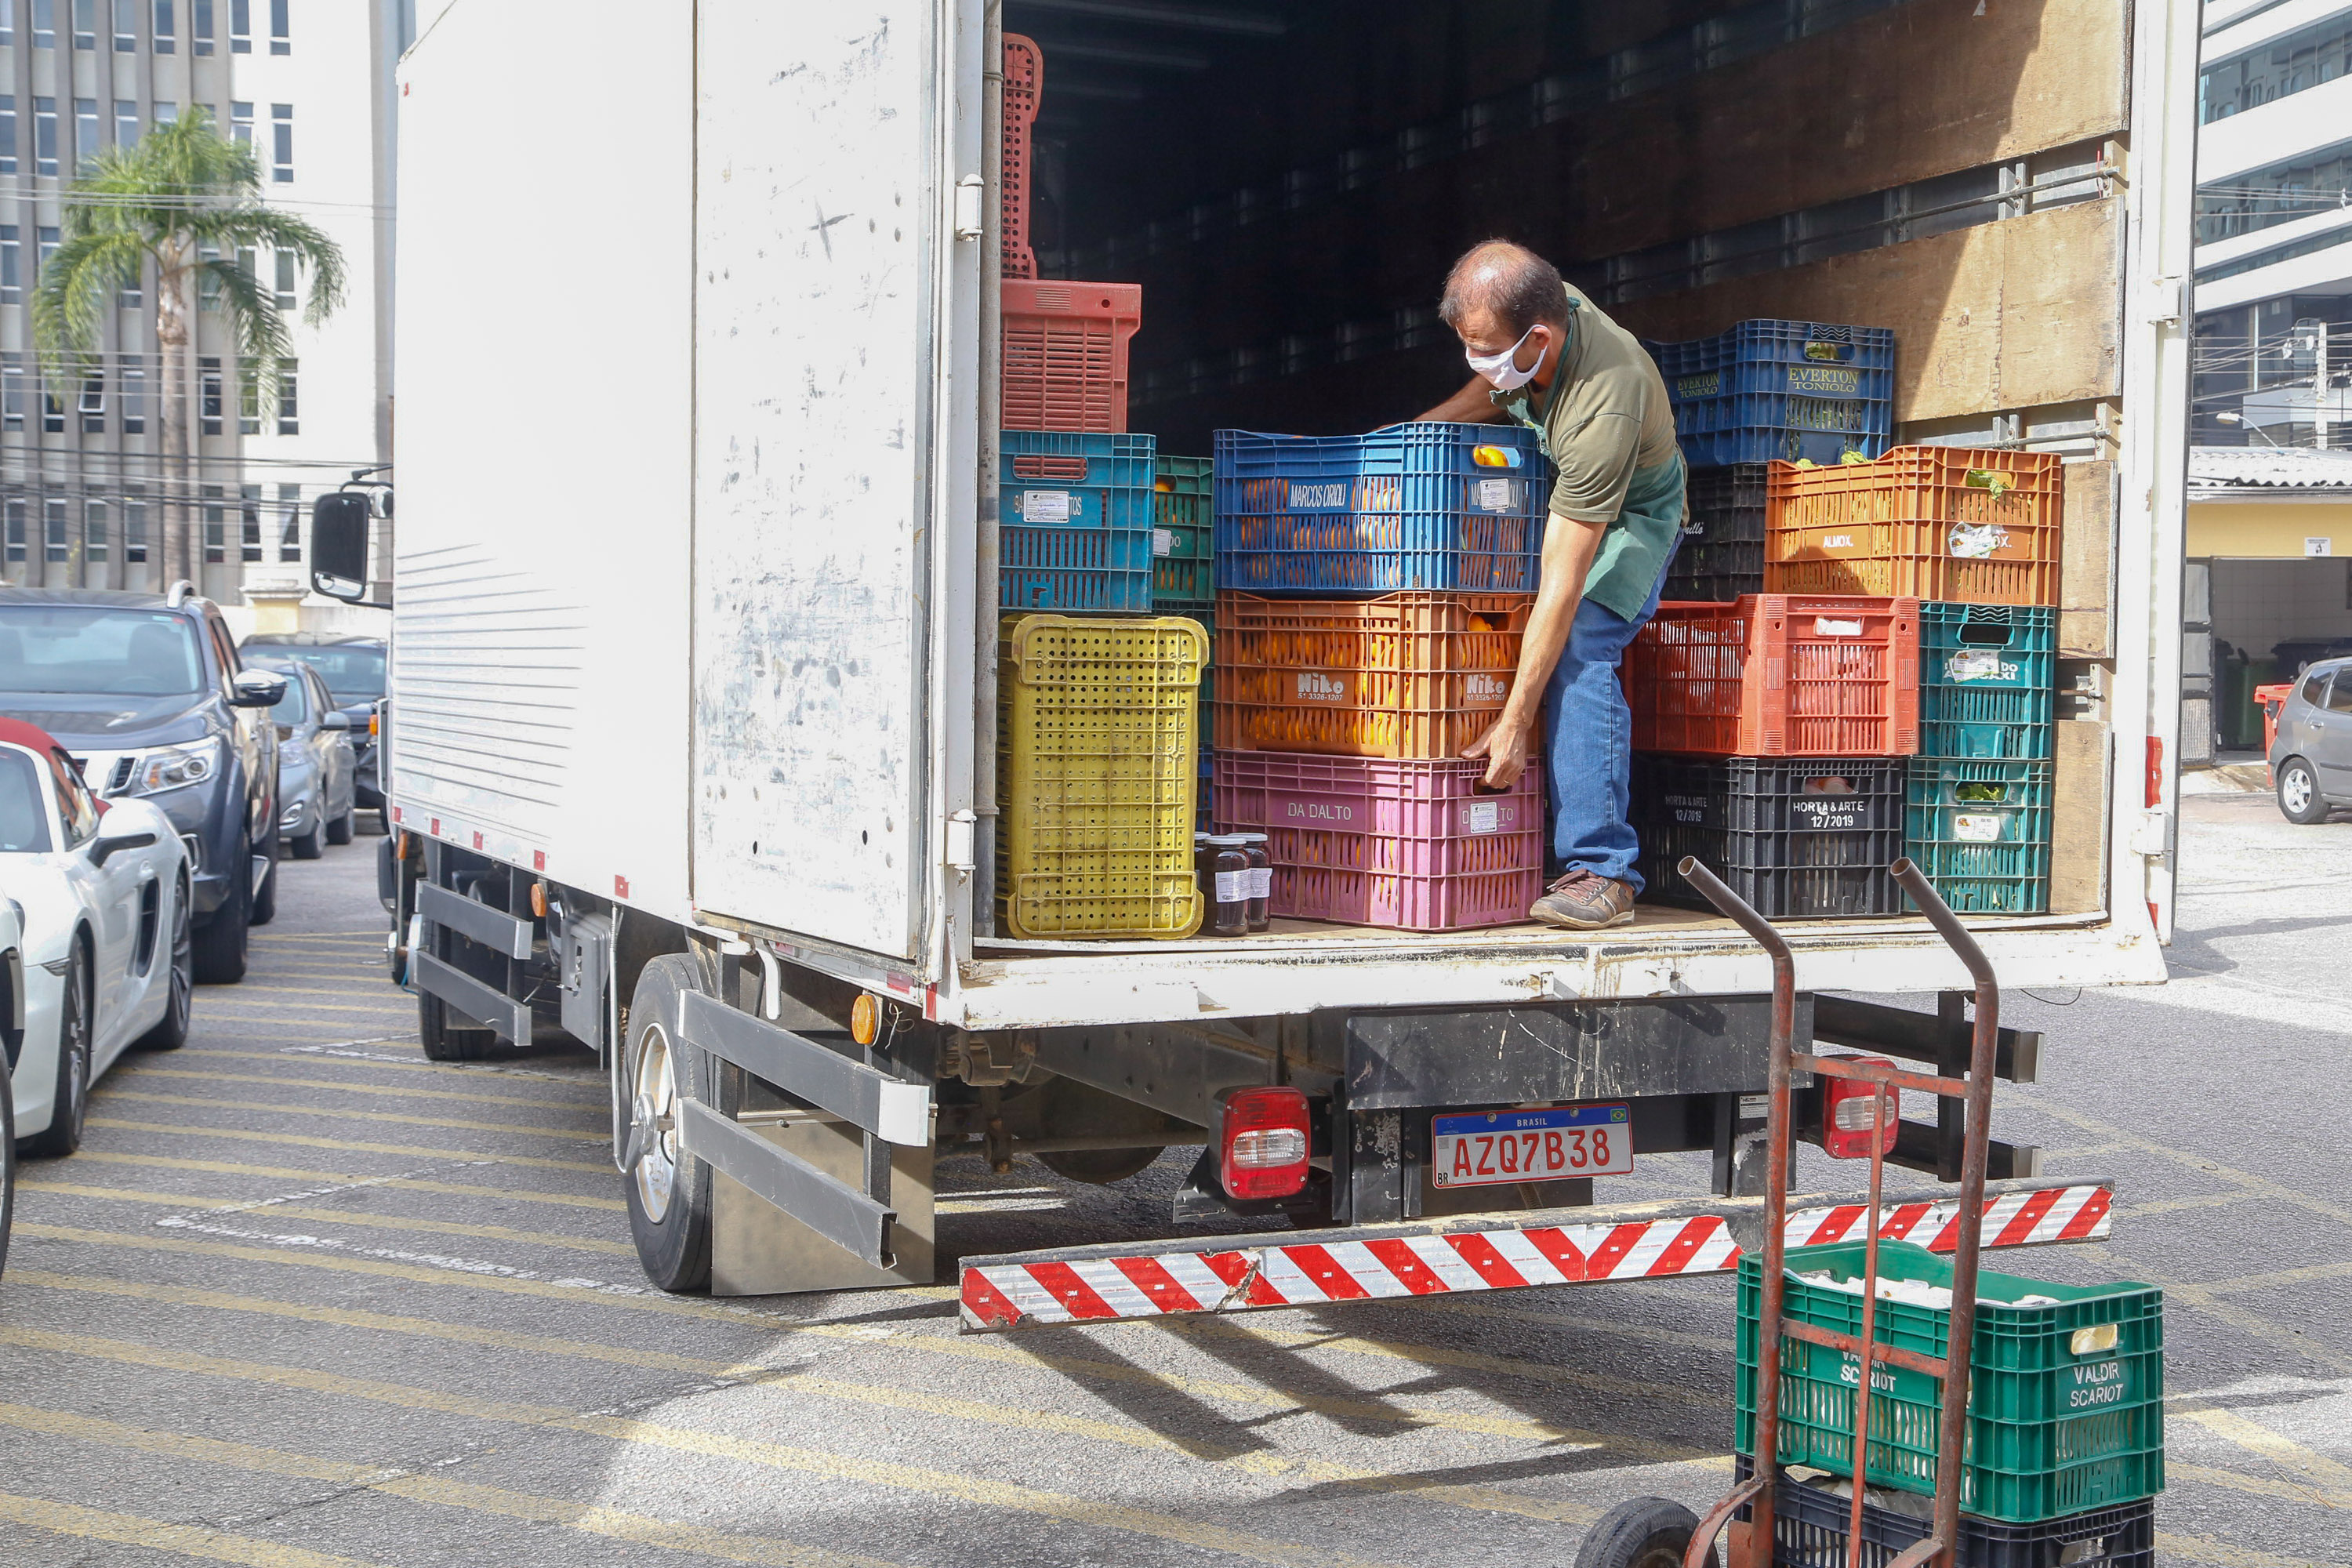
(1964, 524)
(1065, 353)
(1778, 675)
(1024, 85)
(1372, 841)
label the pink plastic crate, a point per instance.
(1381, 842)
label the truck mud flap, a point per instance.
(1482, 1252)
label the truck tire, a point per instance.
(447, 1042)
(669, 1189)
(1098, 1166)
(2299, 800)
(221, 940)
(1646, 1532)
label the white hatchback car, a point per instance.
(100, 890)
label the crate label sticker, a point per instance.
(1482, 690)
(1981, 666)
(1825, 381)
(1233, 887)
(1498, 495)
(1163, 542)
(1707, 385)
(1321, 688)
(1824, 626)
(1261, 881)
(1319, 495)
(1048, 506)
(1978, 540)
(1755, 1107)
(2096, 1384)
(1816, 814)
(1979, 826)
(1482, 817)
(1330, 813)
(1819, 349)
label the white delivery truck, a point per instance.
(693, 705)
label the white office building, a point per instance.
(308, 85)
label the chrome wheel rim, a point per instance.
(184, 963)
(652, 1111)
(2294, 789)
(74, 1041)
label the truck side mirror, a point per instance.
(339, 545)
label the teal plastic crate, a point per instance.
(1988, 678)
(2067, 1408)
(1980, 831)
(1183, 557)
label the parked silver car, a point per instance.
(316, 762)
(2312, 758)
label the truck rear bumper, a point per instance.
(1483, 1252)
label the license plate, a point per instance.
(1488, 1148)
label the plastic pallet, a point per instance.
(1809, 1525)
(1429, 506)
(1404, 675)
(1406, 844)
(1075, 529)
(1806, 839)
(1025, 86)
(2066, 1401)
(1987, 680)
(1980, 831)
(1786, 390)
(1722, 552)
(1065, 353)
(1778, 676)
(1963, 524)
(1097, 741)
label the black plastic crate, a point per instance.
(1722, 554)
(1809, 1530)
(1798, 838)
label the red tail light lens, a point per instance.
(1263, 1146)
(1845, 1115)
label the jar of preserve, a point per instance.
(1228, 887)
(1261, 880)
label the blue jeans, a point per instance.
(1589, 740)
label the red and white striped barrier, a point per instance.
(1005, 1292)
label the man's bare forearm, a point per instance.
(1569, 549)
(1471, 406)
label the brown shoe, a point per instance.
(1584, 900)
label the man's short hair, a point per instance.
(1519, 286)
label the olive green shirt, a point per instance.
(1605, 419)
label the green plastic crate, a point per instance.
(2052, 1429)
(1184, 564)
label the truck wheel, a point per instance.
(2299, 799)
(1646, 1532)
(669, 1189)
(1099, 1167)
(445, 1042)
(221, 940)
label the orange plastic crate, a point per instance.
(1024, 84)
(1964, 524)
(1778, 675)
(1405, 676)
(1065, 353)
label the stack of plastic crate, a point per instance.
(1372, 593)
(1769, 738)
(1184, 569)
(1975, 533)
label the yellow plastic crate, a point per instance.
(1097, 734)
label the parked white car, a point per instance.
(100, 893)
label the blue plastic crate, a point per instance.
(1073, 527)
(1410, 507)
(1988, 678)
(1979, 830)
(1792, 391)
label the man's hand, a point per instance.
(1505, 747)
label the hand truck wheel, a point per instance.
(1647, 1532)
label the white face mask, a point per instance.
(1498, 368)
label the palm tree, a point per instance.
(189, 201)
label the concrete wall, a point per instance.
(2273, 529)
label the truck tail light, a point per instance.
(1263, 1143)
(1845, 1115)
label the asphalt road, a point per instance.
(306, 1298)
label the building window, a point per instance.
(84, 136)
(163, 31)
(49, 238)
(210, 396)
(290, 406)
(289, 280)
(134, 522)
(44, 23)
(7, 132)
(289, 534)
(45, 136)
(240, 124)
(126, 27)
(12, 265)
(53, 527)
(200, 27)
(93, 405)
(281, 40)
(93, 530)
(12, 391)
(85, 20)
(215, 518)
(207, 281)
(249, 507)
(281, 143)
(248, 398)
(240, 26)
(133, 371)
(126, 122)
(7, 21)
(53, 413)
(132, 296)
(16, 528)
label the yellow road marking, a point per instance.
(2195, 1549)
(248, 988)
(589, 1517)
(915, 1479)
(109, 1093)
(344, 1178)
(188, 1540)
(303, 1140)
(2280, 1277)
(338, 1216)
(208, 1005)
(2261, 1486)
(2333, 1478)
(591, 1082)
(2175, 1206)
(2194, 1161)
(2229, 1312)
(1476, 1307)
(141, 1074)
